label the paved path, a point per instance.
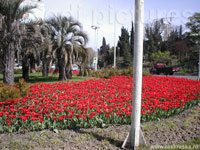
(182, 76)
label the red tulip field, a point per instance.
(96, 102)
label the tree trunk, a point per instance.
(9, 61)
(62, 72)
(45, 68)
(46, 60)
(80, 73)
(32, 64)
(68, 71)
(25, 69)
(69, 67)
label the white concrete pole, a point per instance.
(138, 62)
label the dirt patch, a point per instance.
(177, 129)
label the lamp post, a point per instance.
(114, 34)
(96, 36)
(138, 61)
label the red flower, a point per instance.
(107, 115)
(54, 117)
(48, 115)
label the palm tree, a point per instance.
(32, 40)
(11, 12)
(82, 59)
(47, 47)
(67, 35)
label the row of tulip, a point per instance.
(96, 102)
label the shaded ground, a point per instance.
(178, 129)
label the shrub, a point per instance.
(146, 74)
(127, 72)
(23, 87)
(107, 73)
(18, 90)
(8, 92)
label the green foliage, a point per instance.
(153, 39)
(194, 23)
(124, 49)
(106, 54)
(159, 54)
(11, 30)
(163, 57)
(69, 39)
(16, 91)
(132, 40)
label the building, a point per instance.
(166, 27)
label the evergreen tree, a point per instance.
(124, 49)
(105, 58)
(132, 40)
(153, 39)
(177, 44)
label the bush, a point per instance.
(127, 72)
(107, 73)
(18, 90)
(146, 74)
(23, 87)
(8, 92)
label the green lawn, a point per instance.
(52, 78)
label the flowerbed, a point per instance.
(96, 103)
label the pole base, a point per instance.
(127, 141)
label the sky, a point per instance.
(111, 15)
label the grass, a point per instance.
(52, 78)
(193, 145)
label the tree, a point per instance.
(11, 12)
(124, 49)
(67, 35)
(162, 57)
(104, 58)
(193, 37)
(132, 40)
(32, 40)
(178, 44)
(153, 39)
(82, 60)
(194, 23)
(46, 49)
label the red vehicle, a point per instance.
(159, 68)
